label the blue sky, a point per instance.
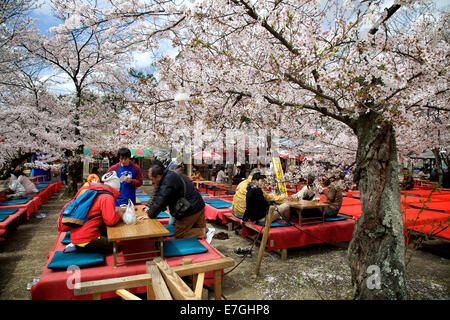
(61, 83)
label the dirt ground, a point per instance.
(315, 272)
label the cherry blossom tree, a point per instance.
(270, 63)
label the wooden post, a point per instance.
(262, 246)
(217, 285)
(150, 292)
(178, 288)
(159, 287)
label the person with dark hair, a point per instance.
(257, 206)
(221, 176)
(170, 186)
(197, 176)
(240, 195)
(307, 192)
(334, 198)
(130, 177)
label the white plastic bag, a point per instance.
(129, 217)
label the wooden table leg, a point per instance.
(217, 285)
(115, 253)
(161, 245)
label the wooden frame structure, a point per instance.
(162, 281)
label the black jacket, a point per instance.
(256, 205)
(169, 190)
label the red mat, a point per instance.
(415, 218)
(443, 206)
(435, 231)
(53, 284)
(353, 211)
(346, 201)
(292, 237)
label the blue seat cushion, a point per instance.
(171, 228)
(61, 260)
(276, 224)
(237, 216)
(3, 217)
(12, 202)
(220, 205)
(8, 211)
(66, 239)
(336, 219)
(182, 247)
(162, 215)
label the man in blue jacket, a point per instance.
(169, 187)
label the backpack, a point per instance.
(75, 214)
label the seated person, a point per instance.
(257, 206)
(307, 192)
(15, 188)
(25, 182)
(91, 236)
(408, 182)
(170, 186)
(240, 201)
(334, 198)
(221, 176)
(196, 175)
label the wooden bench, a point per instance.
(162, 281)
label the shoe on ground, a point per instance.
(210, 232)
(242, 252)
(221, 236)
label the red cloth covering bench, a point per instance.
(415, 218)
(52, 284)
(31, 207)
(12, 221)
(291, 237)
(443, 206)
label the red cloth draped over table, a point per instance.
(32, 206)
(291, 237)
(53, 284)
(45, 195)
(212, 213)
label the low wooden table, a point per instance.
(143, 229)
(300, 205)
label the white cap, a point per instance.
(111, 180)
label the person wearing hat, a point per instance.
(257, 206)
(239, 200)
(130, 177)
(91, 236)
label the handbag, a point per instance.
(182, 205)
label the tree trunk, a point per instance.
(438, 164)
(377, 251)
